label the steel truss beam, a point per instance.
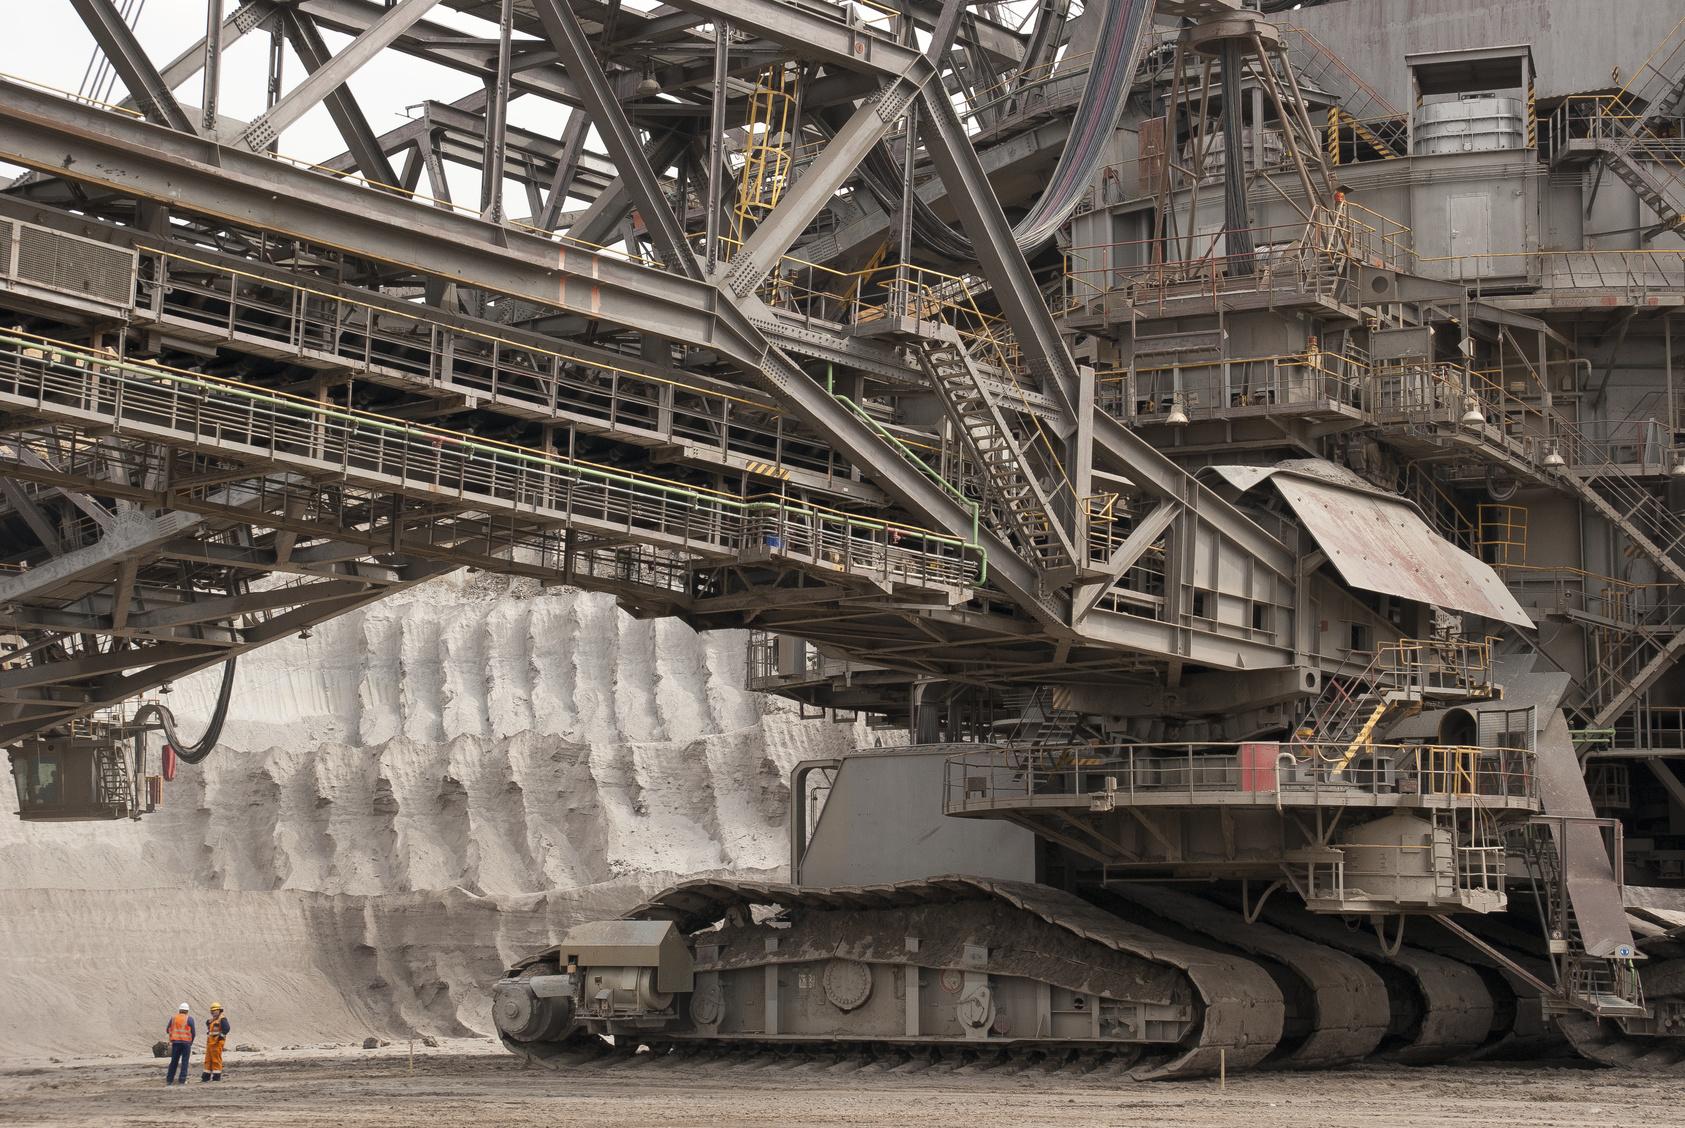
(324, 81)
(258, 194)
(249, 16)
(250, 190)
(115, 38)
(348, 117)
(254, 191)
(562, 28)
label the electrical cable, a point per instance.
(1123, 29)
(196, 752)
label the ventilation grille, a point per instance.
(1509, 728)
(72, 264)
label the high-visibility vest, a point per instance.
(181, 1028)
(213, 1028)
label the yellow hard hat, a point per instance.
(216, 1006)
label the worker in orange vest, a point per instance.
(216, 1034)
(181, 1033)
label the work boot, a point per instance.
(216, 1076)
(203, 1077)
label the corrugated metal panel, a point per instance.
(1382, 545)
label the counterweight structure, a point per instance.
(1223, 475)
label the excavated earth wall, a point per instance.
(399, 805)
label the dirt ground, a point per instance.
(478, 1085)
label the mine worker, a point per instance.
(216, 1034)
(181, 1032)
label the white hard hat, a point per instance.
(182, 1007)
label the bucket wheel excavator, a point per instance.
(1221, 751)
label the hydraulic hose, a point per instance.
(197, 751)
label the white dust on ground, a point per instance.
(399, 806)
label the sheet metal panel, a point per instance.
(1579, 845)
(1381, 545)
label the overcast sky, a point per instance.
(45, 41)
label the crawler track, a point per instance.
(1342, 1002)
(1292, 991)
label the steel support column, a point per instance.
(497, 122)
(716, 141)
(213, 65)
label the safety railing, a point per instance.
(1633, 274)
(1435, 666)
(1636, 446)
(887, 295)
(1648, 727)
(521, 376)
(1103, 777)
(637, 565)
(1308, 257)
(1482, 867)
(781, 661)
(1620, 602)
(1320, 64)
(309, 437)
(1616, 122)
(1236, 386)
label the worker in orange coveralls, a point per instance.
(216, 1034)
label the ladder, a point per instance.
(1022, 509)
(116, 787)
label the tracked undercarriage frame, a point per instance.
(955, 964)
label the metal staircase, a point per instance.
(1021, 494)
(1044, 716)
(1351, 710)
(1637, 658)
(1370, 117)
(1402, 677)
(116, 786)
(1602, 986)
(1635, 163)
(1633, 134)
